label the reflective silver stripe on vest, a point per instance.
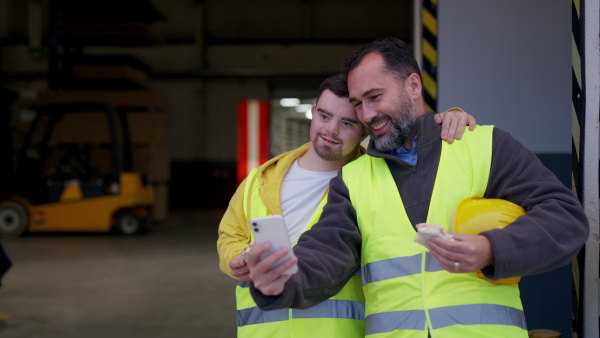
(472, 314)
(431, 263)
(254, 315)
(398, 267)
(477, 314)
(391, 268)
(333, 308)
(397, 320)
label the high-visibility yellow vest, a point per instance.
(339, 316)
(407, 292)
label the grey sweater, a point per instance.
(548, 236)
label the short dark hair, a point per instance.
(336, 84)
(396, 54)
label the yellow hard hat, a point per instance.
(475, 215)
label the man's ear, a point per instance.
(413, 85)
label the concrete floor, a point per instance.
(164, 284)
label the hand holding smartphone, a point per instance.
(272, 229)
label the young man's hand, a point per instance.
(239, 269)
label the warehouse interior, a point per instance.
(178, 71)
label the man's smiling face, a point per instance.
(335, 131)
(381, 103)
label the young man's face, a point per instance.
(335, 132)
(381, 103)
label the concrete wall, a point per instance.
(509, 64)
(591, 153)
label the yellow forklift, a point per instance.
(75, 197)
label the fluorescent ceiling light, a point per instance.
(289, 102)
(302, 108)
(309, 115)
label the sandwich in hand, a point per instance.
(425, 231)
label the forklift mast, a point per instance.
(33, 155)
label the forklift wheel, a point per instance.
(128, 223)
(13, 219)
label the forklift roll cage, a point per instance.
(120, 200)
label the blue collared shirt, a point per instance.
(409, 157)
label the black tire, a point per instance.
(14, 219)
(128, 223)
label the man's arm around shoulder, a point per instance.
(328, 256)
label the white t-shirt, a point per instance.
(301, 193)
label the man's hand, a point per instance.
(472, 252)
(269, 282)
(239, 269)
(453, 124)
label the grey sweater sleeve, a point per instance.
(328, 256)
(554, 228)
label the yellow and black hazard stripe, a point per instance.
(429, 42)
(578, 118)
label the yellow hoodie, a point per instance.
(233, 229)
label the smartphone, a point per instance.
(272, 229)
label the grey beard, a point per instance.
(403, 125)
